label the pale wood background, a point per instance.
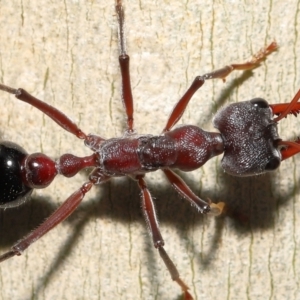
(65, 52)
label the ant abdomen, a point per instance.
(13, 191)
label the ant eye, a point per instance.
(259, 102)
(272, 164)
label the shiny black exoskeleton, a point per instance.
(12, 187)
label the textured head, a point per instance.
(250, 138)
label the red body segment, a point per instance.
(118, 156)
(194, 146)
(185, 148)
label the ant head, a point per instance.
(250, 138)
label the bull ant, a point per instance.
(247, 137)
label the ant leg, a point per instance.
(182, 188)
(248, 65)
(181, 105)
(124, 66)
(151, 220)
(222, 73)
(57, 116)
(57, 217)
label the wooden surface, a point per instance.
(65, 52)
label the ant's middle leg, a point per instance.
(124, 66)
(222, 73)
(151, 220)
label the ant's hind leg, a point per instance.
(151, 220)
(56, 115)
(222, 73)
(57, 217)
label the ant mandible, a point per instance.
(248, 139)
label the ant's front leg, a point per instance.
(222, 73)
(182, 188)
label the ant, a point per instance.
(248, 140)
